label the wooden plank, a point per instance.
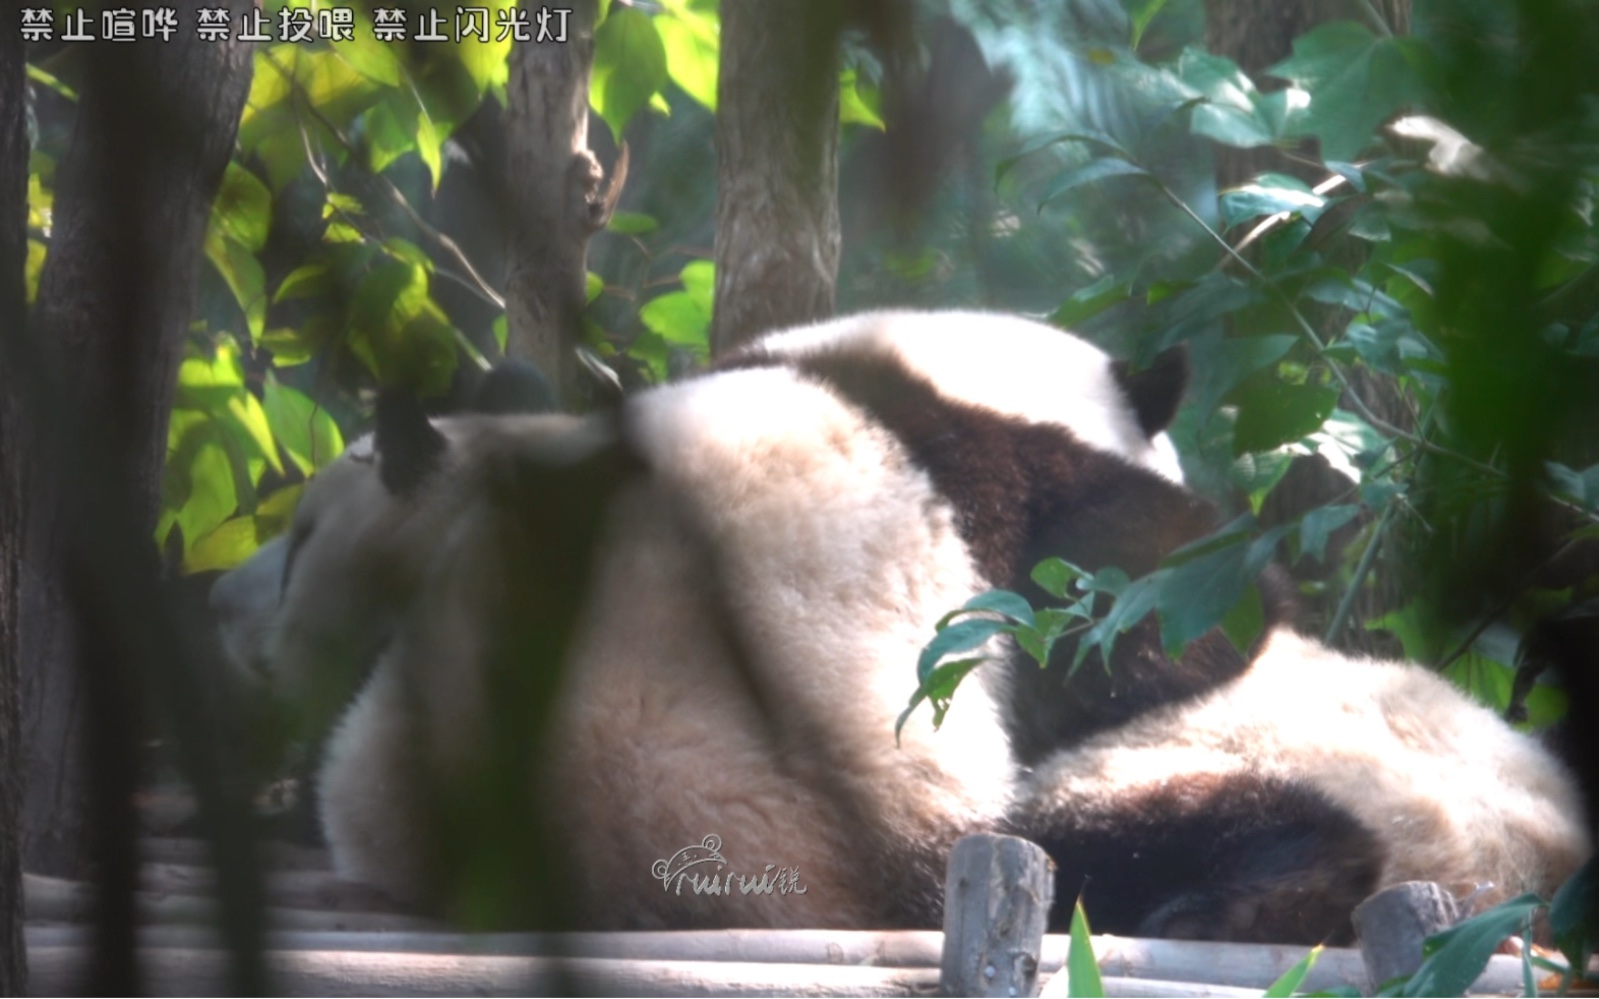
(54, 971)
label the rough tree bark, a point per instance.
(95, 373)
(553, 187)
(777, 227)
(13, 314)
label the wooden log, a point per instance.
(1058, 988)
(53, 900)
(1394, 923)
(56, 970)
(1121, 959)
(996, 906)
(197, 852)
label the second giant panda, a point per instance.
(710, 615)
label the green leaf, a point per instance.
(593, 285)
(1229, 113)
(852, 106)
(209, 383)
(304, 430)
(1291, 979)
(677, 318)
(699, 280)
(1273, 412)
(1087, 174)
(1204, 587)
(1245, 620)
(1459, 954)
(243, 275)
(1085, 303)
(211, 493)
(1574, 914)
(1268, 195)
(1082, 969)
(632, 223)
(1355, 80)
(1003, 602)
(1581, 487)
(1140, 13)
(242, 211)
(962, 636)
(303, 282)
(245, 417)
(229, 544)
(1055, 576)
(1132, 604)
(629, 67)
(1316, 525)
(1230, 360)
(691, 44)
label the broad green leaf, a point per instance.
(302, 282)
(939, 687)
(1273, 411)
(229, 544)
(304, 430)
(1229, 112)
(209, 383)
(1140, 13)
(629, 67)
(1055, 576)
(1581, 487)
(244, 277)
(1316, 525)
(390, 132)
(691, 44)
(1268, 197)
(962, 636)
(1202, 590)
(593, 285)
(1574, 914)
(502, 330)
(1229, 360)
(377, 61)
(249, 423)
(1355, 80)
(1002, 602)
(242, 211)
(211, 494)
(1131, 606)
(486, 61)
(1087, 174)
(1245, 619)
(1088, 302)
(679, 317)
(699, 280)
(853, 108)
(632, 223)
(1458, 955)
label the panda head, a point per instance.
(308, 613)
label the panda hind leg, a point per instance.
(1235, 857)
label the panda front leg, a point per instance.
(1235, 856)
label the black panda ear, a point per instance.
(1155, 390)
(409, 447)
(514, 386)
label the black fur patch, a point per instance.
(1023, 492)
(1155, 391)
(409, 447)
(1239, 857)
(514, 386)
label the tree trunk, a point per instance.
(553, 187)
(1258, 34)
(92, 381)
(13, 314)
(777, 229)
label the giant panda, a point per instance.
(676, 644)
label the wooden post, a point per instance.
(996, 907)
(1395, 922)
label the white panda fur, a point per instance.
(748, 634)
(1441, 789)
